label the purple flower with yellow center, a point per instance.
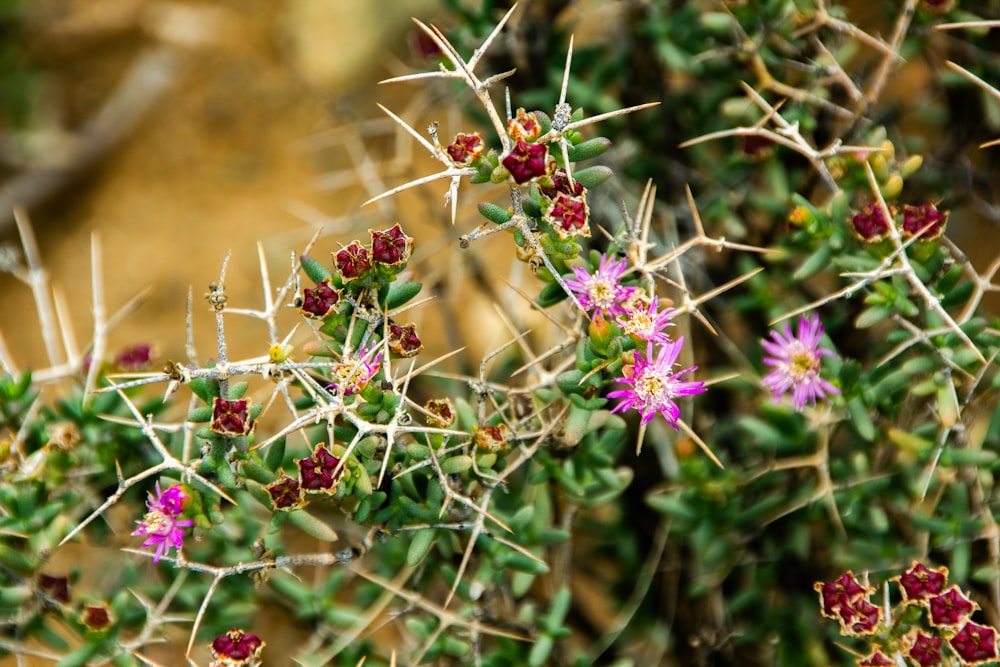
(796, 363)
(859, 617)
(870, 224)
(924, 218)
(655, 388)
(646, 324)
(163, 525)
(601, 292)
(285, 493)
(527, 161)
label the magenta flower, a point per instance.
(796, 362)
(647, 324)
(163, 525)
(601, 292)
(352, 375)
(654, 387)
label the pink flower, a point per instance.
(796, 362)
(352, 375)
(647, 324)
(162, 524)
(601, 292)
(654, 387)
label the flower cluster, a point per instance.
(847, 601)
(947, 636)
(655, 387)
(163, 525)
(367, 265)
(870, 224)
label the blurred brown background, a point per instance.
(179, 131)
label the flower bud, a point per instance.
(602, 333)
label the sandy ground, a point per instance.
(255, 138)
